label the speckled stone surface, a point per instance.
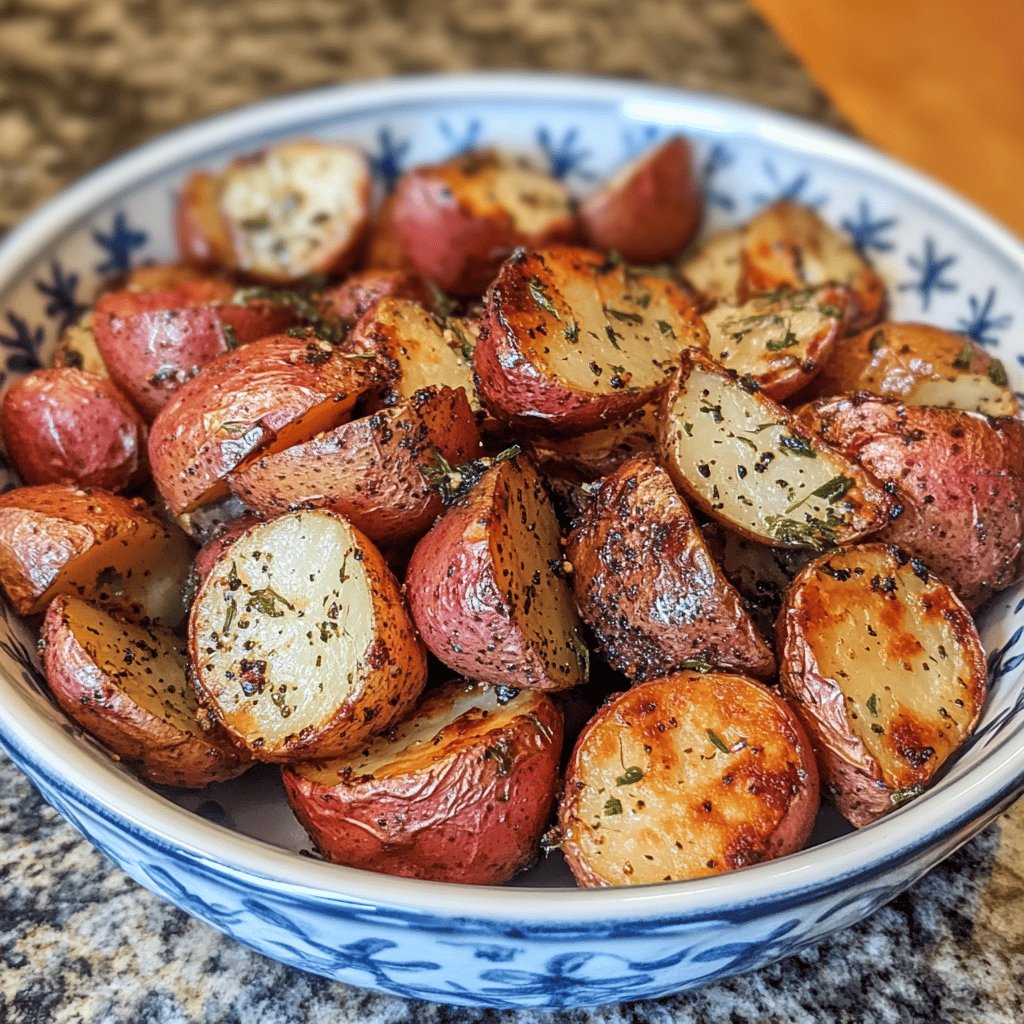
(81, 80)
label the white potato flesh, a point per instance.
(972, 392)
(714, 269)
(741, 457)
(77, 347)
(494, 184)
(282, 626)
(294, 203)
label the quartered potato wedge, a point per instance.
(746, 461)
(713, 270)
(300, 643)
(885, 669)
(345, 303)
(647, 586)
(126, 685)
(572, 341)
(459, 792)
(684, 777)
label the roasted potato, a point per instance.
(300, 643)
(571, 341)
(919, 364)
(747, 462)
(154, 341)
(415, 348)
(779, 339)
(384, 248)
(151, 277)
(125, 685)
(713, 272)
(459, 792)
(77, 348)
(684, 777)
(374, 470)
(885, 669)
(358, 294)
(56, 539)
(458, 220)
(266, 396)
(649, 209)
(648, 588)
(486, 588)
(295, 209)
(68, 426)
(957, 481)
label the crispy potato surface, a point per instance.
(886, 670)
(684, 777)
(77, 348)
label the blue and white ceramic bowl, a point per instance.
(232, 856)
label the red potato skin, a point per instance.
(207, 555)
(463, 820)
(959, 479)
(650, 216)
(155, 750)
(67, 426)
(153, 341)
(371, 470)
(358, 294)
(383, 247)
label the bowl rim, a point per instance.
(42, 747)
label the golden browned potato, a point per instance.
(459, 792)
(919, 364)
(56, 539)
(125, 685)
(487, 589)
(300, 643)
(384, 248)
(956, 480)
(647, 586)
(886, 671)
(714, 270)
(684, 777)
(648, 210)
(294, 209)
(415, 349)
(375, 470)
(572, 341)
(459, 219)
(779, 339)
(747, 462)
(77, 348)
(266, 396)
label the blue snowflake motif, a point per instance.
(462, 140)
(119, 245)
(866, 230)
(565, 156)
(61, 301)
(636, 140)
(931, 269)
(22, 344)
(718, 159)
(980, 324)
(792, 189)
(389, 162)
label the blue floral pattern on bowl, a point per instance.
(240, 869)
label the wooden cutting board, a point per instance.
(937, 83)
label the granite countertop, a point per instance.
(82, 80)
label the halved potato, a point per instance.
(747, 462)
(781, 338)
(384, 248)
(648, 210)
(684, 777)
(920, 364)
(374, 470)
(459, 792)
(125, 685)
(788, 245)
(69, 426)
(714, 270)
(886, 671)
(956, 480)
(647, 586)
(486, 588)
(357, 294)
(200, 227)
(77, 348)
(56, 539)
(458, 220)
(572, 341)
(414, 347)
(266, 396)
(300, 643)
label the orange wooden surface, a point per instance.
(937, 83)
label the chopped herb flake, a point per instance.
(717, 741)
(629, 776)
(613, 806)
